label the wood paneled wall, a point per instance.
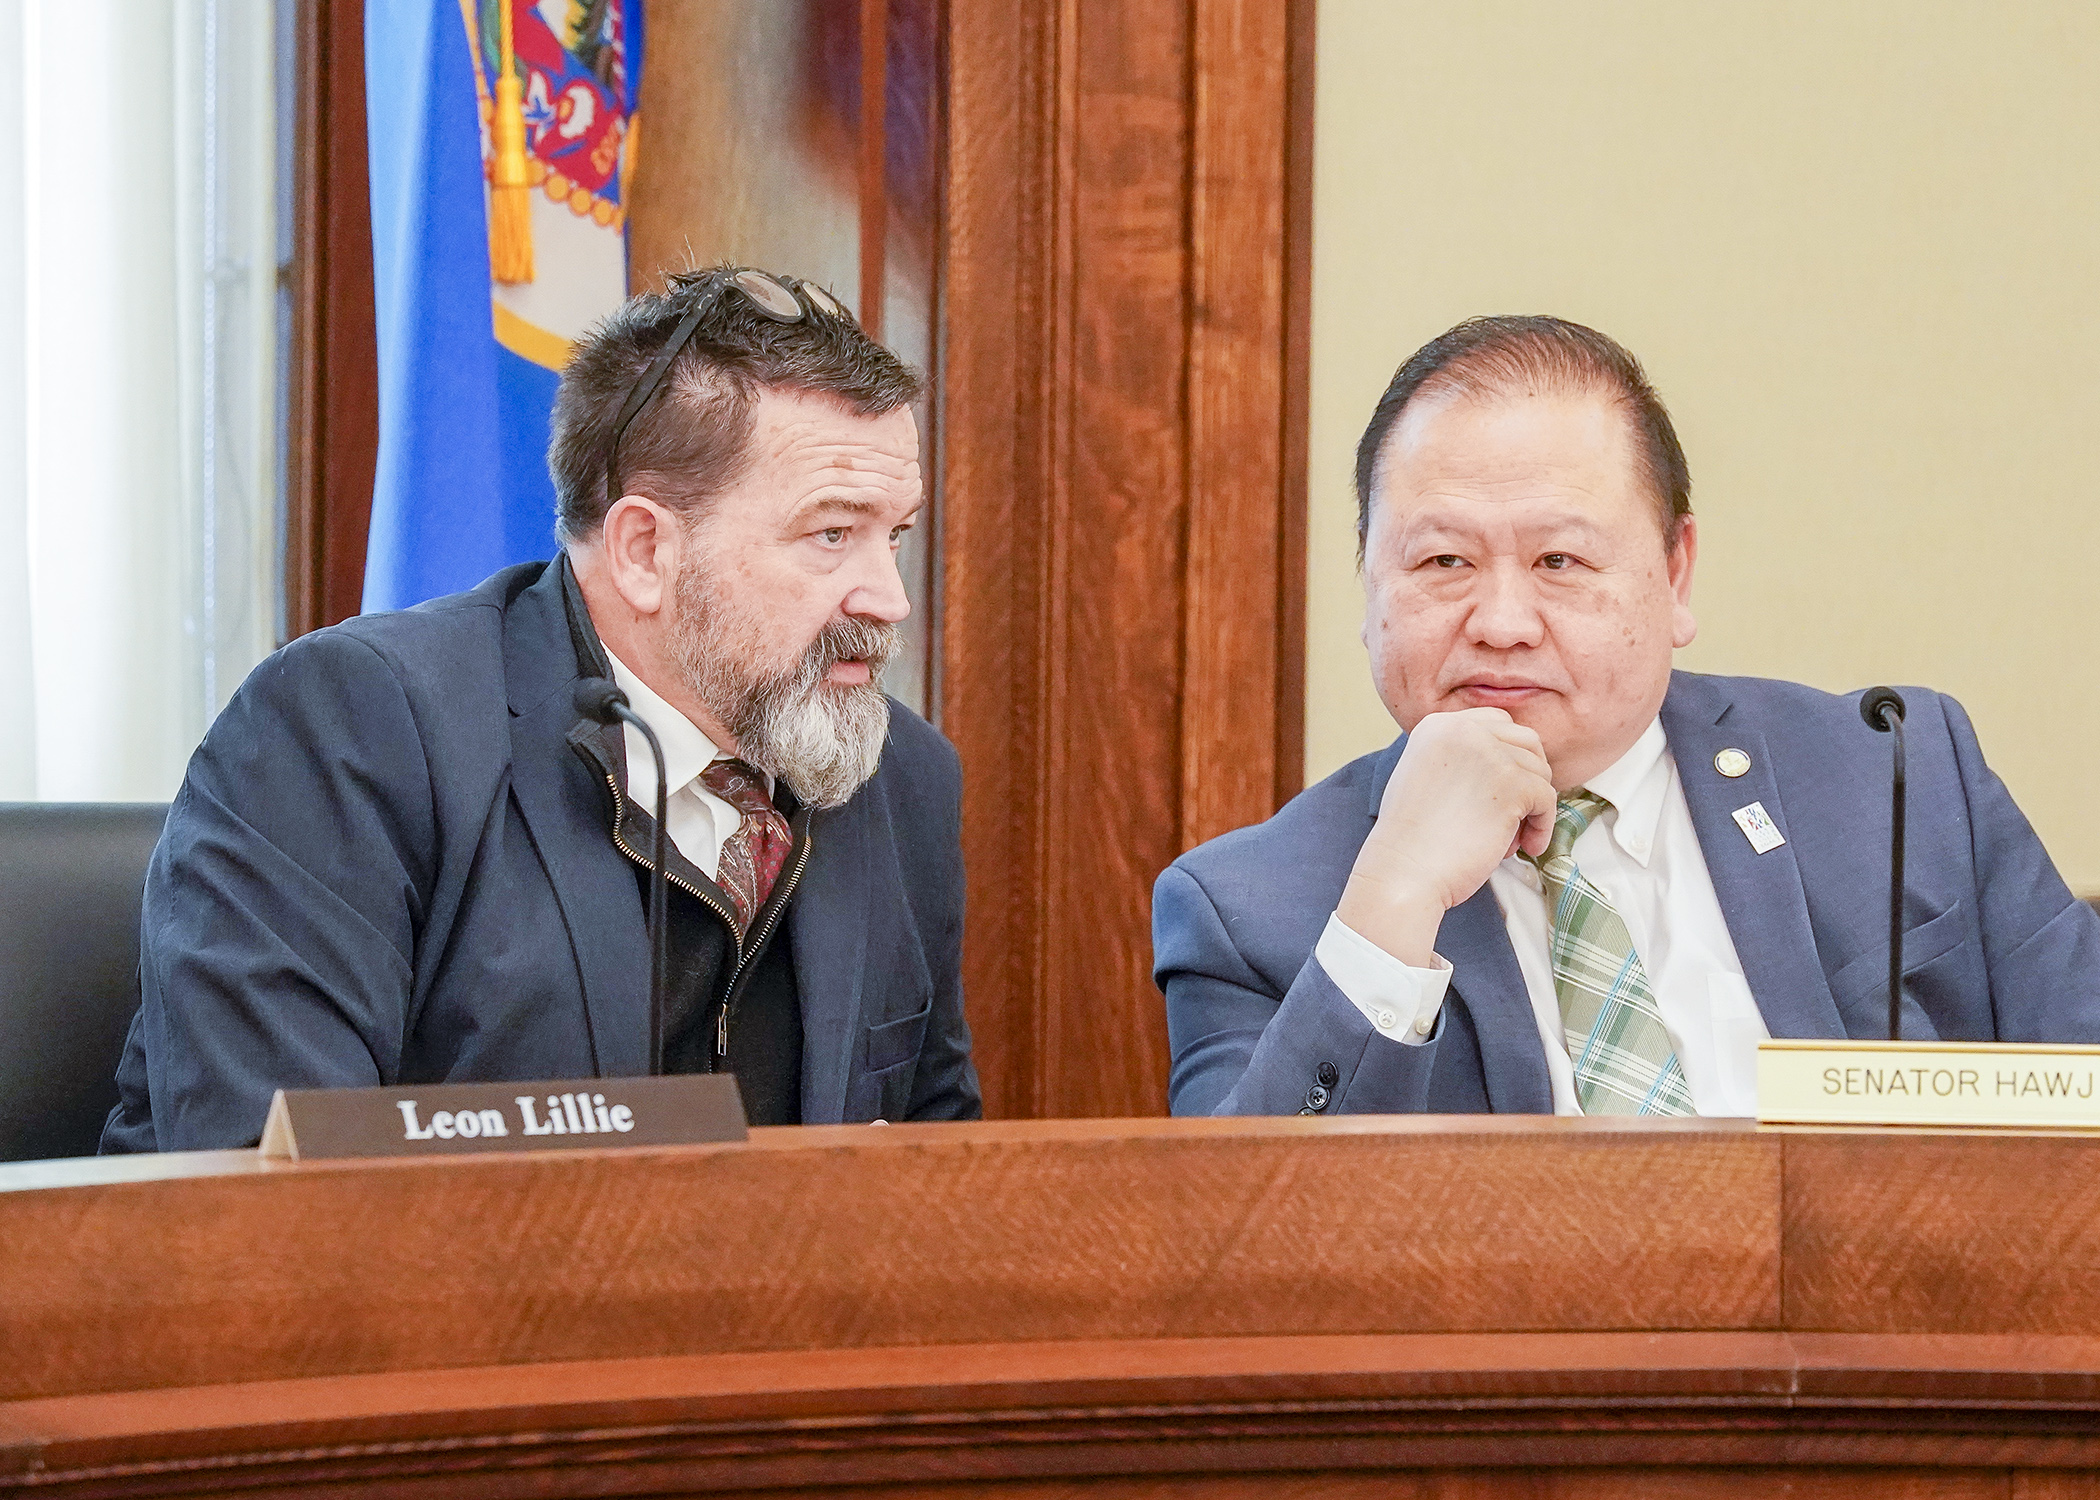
(1122, 504)
(334, 395)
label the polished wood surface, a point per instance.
(1122, 403)
(1239, 526)
(1094, 1415)
(1858, 1269)
(333, 409)
(1435, 1307)
(870, 1236)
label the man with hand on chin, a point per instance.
(401, 856)
(1580, 882)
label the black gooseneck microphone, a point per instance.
(600, 699)
(1882, 708)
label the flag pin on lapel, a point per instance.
(1758, 828)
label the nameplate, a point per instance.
(1927, 1083)
(456, 1119)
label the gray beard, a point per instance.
(822, 738)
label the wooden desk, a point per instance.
(1128, 1308)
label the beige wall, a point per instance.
(1857, 244)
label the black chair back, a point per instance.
(71, 878)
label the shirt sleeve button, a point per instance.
(1385, 1020)
(1422, 1026)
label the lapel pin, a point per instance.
(1732, 762)
(1758, 828)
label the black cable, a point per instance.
(600, 699)
(1882, 708)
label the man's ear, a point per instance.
(642, 541)
(1682, 559)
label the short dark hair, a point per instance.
(1503, 355)
(693, 440)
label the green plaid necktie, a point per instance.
(1624, 1064)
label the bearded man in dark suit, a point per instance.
(402, 855)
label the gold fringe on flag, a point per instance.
(510, 190)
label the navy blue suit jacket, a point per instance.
(388, 865)
(1995, 947)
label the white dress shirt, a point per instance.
(695, 819)
(1644, 855)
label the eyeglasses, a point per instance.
(783, 299)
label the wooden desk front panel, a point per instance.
(1922, 1232)
(1433, 1307)
(852, 1237)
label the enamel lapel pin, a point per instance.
(1758, 828)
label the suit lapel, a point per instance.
(1761, 895)
(828, 928)
(1484, 972)
(564, 807)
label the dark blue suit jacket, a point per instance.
(389, 865)
(1995, 948)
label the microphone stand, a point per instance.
(659, 936)
(1882, 708)
(599, 698)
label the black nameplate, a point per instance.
(450, 1119)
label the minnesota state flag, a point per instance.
(502, 137)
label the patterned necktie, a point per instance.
(753, 855)
(1624, 1064)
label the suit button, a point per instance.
(1308, 1111)
(1330, 1075)
(1316, 1098)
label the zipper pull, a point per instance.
(722, 1033)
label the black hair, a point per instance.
(1503, 355)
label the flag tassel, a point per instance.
(510, 189)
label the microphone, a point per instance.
(600, 699)
(1882, 708)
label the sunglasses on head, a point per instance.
(784, 299)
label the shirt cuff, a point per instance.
(1401, 1001)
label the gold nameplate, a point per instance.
(447, 1119)
(1927, 1083)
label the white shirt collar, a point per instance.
(687, 752)
(1635, 785)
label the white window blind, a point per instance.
(138, 334)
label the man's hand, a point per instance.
(1470, 790)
